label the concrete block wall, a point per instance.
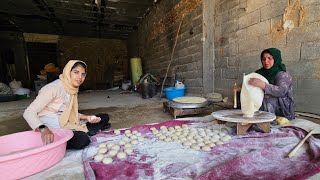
(156, 37)
(243, 28)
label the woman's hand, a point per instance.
(257, 83)
(47, 136)
(236, 88)
(93, 119)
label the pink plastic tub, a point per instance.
(23, 154)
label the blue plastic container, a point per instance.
(172, 92)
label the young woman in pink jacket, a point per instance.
(56, 106)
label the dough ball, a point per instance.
(206, 137)
(207, 142)
(184, 126)
(177, 141)
(216, 131)
(133, 137)
(134, 142)
(174, 137)
(98, 157)
(195, 147)
(210, 134)
(164, 131)
(112, 152)
(177, 133)
(167, 139)
(224, 139)
(134, 132)
(171, 129)
(128, 145)
(228, 137)
(121, 155)
(109, 145)
(102, 150)
(177, 127)
(122, 142)
(207, 130)
(214, 140)
(128, 150)
(101, 145)
(127, 131)
(171, 135)
(155, 132)
(216, 136)
(193, 130)
(219, 143)
(138, 134)
(158, 135)
(183, 139)
(129, 134)
(116, 132)
(107, 160)
(185, 130)
(141, 139)
(200, 130)
(187, 143)
(193, 141)
(201, 144)
(125, 138)
(163, 127)
(115, 147)
(199, 140)
(206, 148)
(189, 137)
(152, 129)
(211, 144)
(162, 137)
(222, 134)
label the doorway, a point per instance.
(40, 54)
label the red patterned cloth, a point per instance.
(253, 156)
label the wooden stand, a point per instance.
(242, 127)
(182, 111)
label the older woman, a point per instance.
(56, 106)
(278, 97)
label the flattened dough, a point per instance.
(251, 97)
(189, 100)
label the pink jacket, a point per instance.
(49, 100)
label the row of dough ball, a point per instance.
(185, 129)
(108, 150)
(118, 132)
(196, 138)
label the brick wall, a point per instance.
(243, 28)
(156, 36)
